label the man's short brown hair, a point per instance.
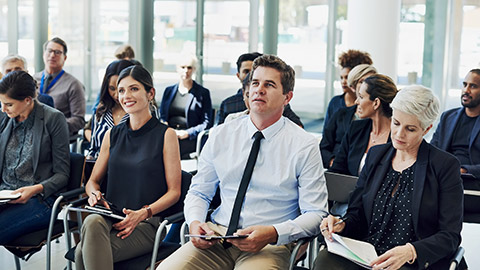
(287, 74)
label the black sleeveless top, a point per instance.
(136, 174)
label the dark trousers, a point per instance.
(327, 260)
(19, 219)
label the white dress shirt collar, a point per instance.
(268, 132)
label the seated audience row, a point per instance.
(269, 170)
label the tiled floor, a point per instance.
(38, 260)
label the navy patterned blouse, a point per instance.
(391, 223)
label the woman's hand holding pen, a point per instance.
(331, 225)
(126, 226)
(96, 196)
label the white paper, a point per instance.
(359, 252)
(8, 194)
(95, 211)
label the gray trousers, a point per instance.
(100, 247)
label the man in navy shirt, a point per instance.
(235, 103)
(459, 128)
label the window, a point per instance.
(66, 21)
(302, 31)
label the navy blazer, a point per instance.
(51, 154)
(334, 132)
(437, 203)
(353, 147)
(442, 138)
(198, 112)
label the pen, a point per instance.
(96, 194)
(101, 198)
(336, 223)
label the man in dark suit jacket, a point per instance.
(459, 128)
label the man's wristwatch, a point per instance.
(149, 211)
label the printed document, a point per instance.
(359, 252)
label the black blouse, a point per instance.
(136, 174)
(177, 117)
(392, 223)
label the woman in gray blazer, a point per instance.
(34, 156)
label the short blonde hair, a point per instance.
(358, 72)
(187, 59)
(420, 101)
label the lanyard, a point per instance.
(51, 83)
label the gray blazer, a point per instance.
(51, 154)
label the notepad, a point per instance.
(95, 210)
(359, 252)
(9, 195)
(212, 237)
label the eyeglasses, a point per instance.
(56, 52)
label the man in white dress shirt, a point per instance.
(286, 197)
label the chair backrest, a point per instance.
(178, 206)
(76, 170)
(471, 213)
(340, 186)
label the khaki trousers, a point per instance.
(100, 247)
(188, 257)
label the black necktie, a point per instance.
(242, 189)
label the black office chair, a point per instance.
(161, 249)
(471, 202)
(27, 245)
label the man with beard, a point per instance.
(459, 128)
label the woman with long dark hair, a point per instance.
(109, 113)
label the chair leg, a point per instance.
(17, 263)
(157, 243)
(53, 216)
(66, 229)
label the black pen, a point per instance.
(336, 223)
(101, 198)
